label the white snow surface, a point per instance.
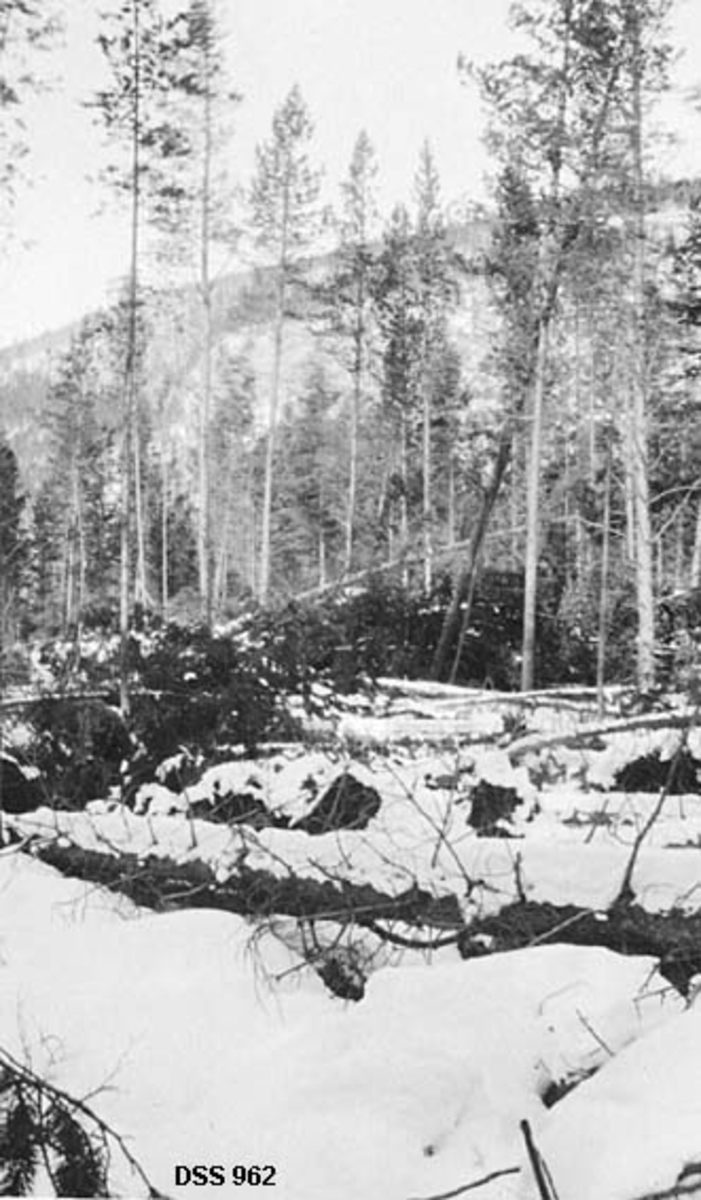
(203, 1039)
(175, 1030)
(633, 1129)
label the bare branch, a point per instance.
(469, 1187)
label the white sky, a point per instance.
(388, 66)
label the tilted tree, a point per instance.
(557, 115)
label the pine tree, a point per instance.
(79, 400)
(233, 438)
(139, 48)
(283, 198)
(193, 209)
(12, 541)
(437, 294)
(308, 530)
(397, 300)
(686, 304)
(349, 304)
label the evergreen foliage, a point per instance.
(12, 541)
(38, 1131)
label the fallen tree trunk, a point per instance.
(165, 885)
(574, 739)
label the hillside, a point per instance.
(243, 306)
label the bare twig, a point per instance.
(396, 939)
(597, 1037)
(543, 937)
(469, 1187)
(625, 892)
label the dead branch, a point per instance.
(396, 939)
(469, 1187)
(625, 892)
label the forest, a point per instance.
(350, 603)
(445, 411)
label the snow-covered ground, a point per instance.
(204, 1039)
(173, 1028)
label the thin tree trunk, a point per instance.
(532, 516)
(465, 585)
(66, 581)
(427, 485)
(695, 569)
(603, 593)
(82, 562)
(404, 504)
(643, 556)
(204, 526)
(679, 551)
(322, 559)
(140, 590)
(265, 550)
(450, 531)
(278, 336)
(352, 479)
(164, 533)
(359, 336)
(129, 378)
(628, 478)
(404, 468)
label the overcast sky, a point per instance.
(388, 66)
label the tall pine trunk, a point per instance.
(129, 394)
(604, 591)
(533, 514)
(358, 338)
(639, 439)
(427, 486)
(266, 534)
(204, 537)
(695, 569)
